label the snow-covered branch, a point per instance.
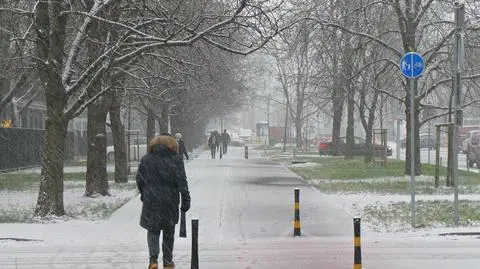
(79, 38)
(357, 33)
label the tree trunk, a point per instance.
(350, 132)
(338, 101)
(119, 142)
(163, 119)
(96, 178)
(347, 70)
(350, 140)
(298, 132)
(49, 43)
(416, 133)
(369, 129)
(50, 197)
(4, 83)
(150, 122)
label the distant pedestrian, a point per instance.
(182, 150)
(212, 144)
(225, 137)
(217, 140)
(161, 178)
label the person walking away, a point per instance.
(217, 140)
(182, 150)
(212, 144)
(161, 179)
(225, 141)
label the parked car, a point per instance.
(426, 141)
(236, 142)
(138, 148)
(466, 141)
(473, 150)
(327, 148)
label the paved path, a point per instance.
(245, 208)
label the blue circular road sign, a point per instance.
(412, 65)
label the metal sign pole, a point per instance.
(412, 149)
(412, 66)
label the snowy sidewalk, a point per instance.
(245, 208)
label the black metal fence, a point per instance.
(23, 148)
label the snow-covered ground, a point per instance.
(244, 207)
(356, 203)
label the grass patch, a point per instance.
(18, 206)
(429, 214)
(18, 181)
(334, 174)
(99, 210)
(16, 215)
(339, 168)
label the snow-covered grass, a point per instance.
(437, 213)
(391, 213)
(381, 195)
(19, 191)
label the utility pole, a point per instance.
(129, 127)
(457, 69)
(268, 122)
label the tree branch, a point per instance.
(353, 32)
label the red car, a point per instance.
(359, 149)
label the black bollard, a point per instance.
(194, 244)
(246, 152)
(357, 244)
(296, 222)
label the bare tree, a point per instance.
(68, 83)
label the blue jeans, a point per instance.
(153, 240)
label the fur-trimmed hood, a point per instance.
(164, 140)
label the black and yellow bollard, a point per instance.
(194, 262)
(357, 244)
(246, 152)
(296, 221)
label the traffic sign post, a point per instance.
(412, 66)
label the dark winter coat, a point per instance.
(212, 141)
(182, 149)
(225, 138)
(161, 178)
(217, 139)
